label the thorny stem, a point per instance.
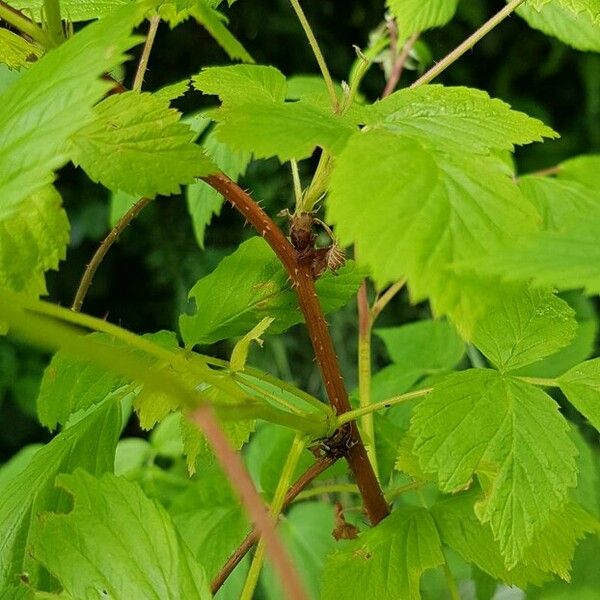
(236, 472)
(304, 480)
(468, 43)
(371, 408)
(312, 40)
(398, 67)
(24, 24)
(109, 240)
(145, 57)
(287, 473)
(304, 285)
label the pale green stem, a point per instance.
(364, 394)
(468, 43)
(19, 21)
(265, 393)
(385, 298)
(285, 480)
(334, 488)
(54, 22)
(318, 185)
(312, 40)
(352, 415)
(541, 381)
(297, 184)
(145, 57)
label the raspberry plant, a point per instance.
(469, 475)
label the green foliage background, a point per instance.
(143, 282)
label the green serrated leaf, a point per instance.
(414, 16)
(456, 118)
(236, 84)
(34, 235)
(511, 435)
(461, 530)
(581, 386)
(385, 562)
(76, 10)
(138, 133)
(89, 443)
(52, 100)
(119, 204)
(525, 327)
(574, 22)
(117, 542)
(414, 212)
(16, 52)
(251, 284)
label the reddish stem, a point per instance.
(302, 281)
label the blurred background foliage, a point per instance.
(143, 283)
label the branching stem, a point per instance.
(304, 285)
(468, 43)
(371, 408)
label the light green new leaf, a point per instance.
(33, 238)
(285, 130)
(53, 100)
(251, 284)
(524, 327)
(138, 145)
(511, 435)
(425, 346)
(574, 22)
(203, 201)
(117, 542)
(414, 212)
(457, 118)
(239, 355)
(581, 386)
(88, 443)
(385, 562)
(414, 16)
(16, 52)
(254, 117)
(460, 529)
(237, 84)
